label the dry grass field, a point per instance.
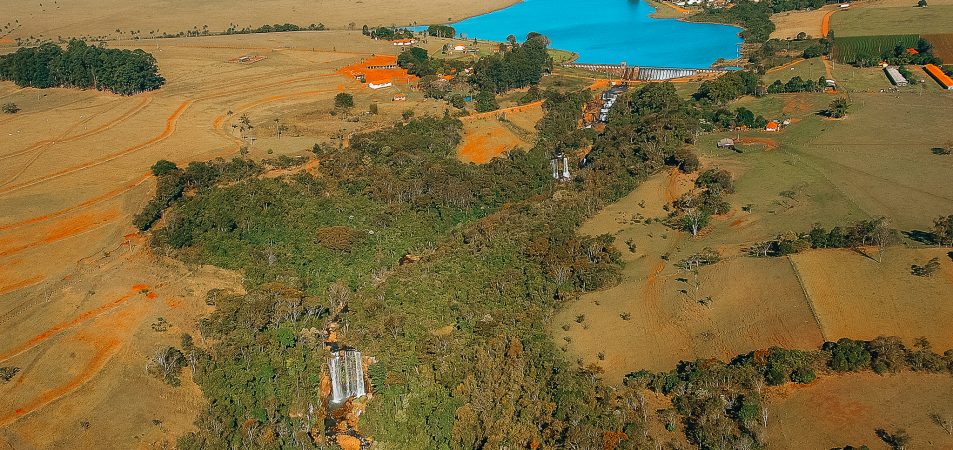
(789, 23)
(848, 409)
(855, 295)
(51, 19)
(77, 285)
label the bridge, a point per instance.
(644, 73)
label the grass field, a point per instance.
(865, 21)
(849, 49)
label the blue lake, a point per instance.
(609, 32)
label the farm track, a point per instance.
(63, 138)
(169, 129)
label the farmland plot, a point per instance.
(850, 49)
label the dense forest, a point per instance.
(125, 72)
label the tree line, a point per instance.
(125, 72)
(721, 405)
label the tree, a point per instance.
(922, 3)
(10, 108)
(837, 108)
(486, 102)
(344, 101)
(882, 236)
(162, 167)
(801, 36)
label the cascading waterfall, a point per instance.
(347, 375)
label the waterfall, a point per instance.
(347, 375)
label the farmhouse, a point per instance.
(404, 42)
(379, 84)
(772, 126)
(939, 76)
(895, 76)
(400, 97)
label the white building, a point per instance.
(895, 76)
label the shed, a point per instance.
(895, 76)
(726, 143)
(400, 97)
(939, 76)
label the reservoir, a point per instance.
(609, 32)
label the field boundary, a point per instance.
(807, 296)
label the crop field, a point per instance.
(849, 49)
(942, 46)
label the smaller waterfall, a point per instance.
(347, 375)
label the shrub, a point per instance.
(339, 238)
(10, 108)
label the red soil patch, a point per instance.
(65, 325)
(769, 143)
(483, 147)
(397, 75)
(826, 23)
(66, 228)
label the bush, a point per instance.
(10, 108)
(344, 100)
(339, 238)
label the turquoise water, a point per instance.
(609, 32)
